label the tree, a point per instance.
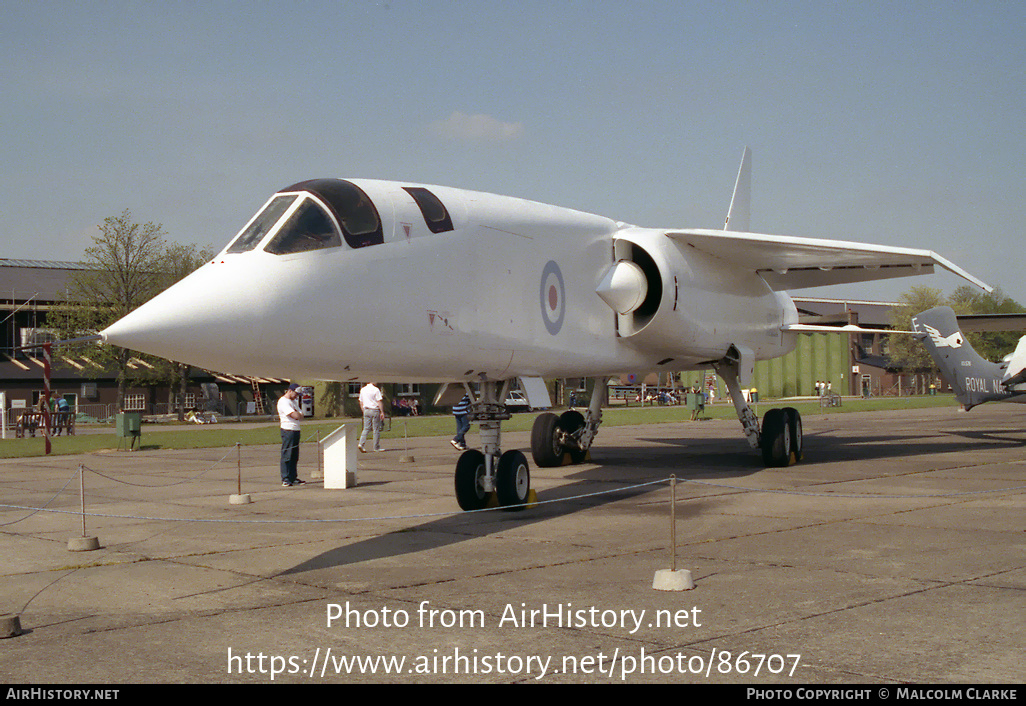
(992, 345)
(904, 350)
(130, 263)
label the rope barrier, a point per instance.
(535, 504)
(161, 485)
(848, 495)
(41, 509)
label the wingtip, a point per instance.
(952, 267)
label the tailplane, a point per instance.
(974, 379)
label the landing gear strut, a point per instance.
(480, 473)
(780, 438)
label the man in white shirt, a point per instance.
(373, 405)
(289, 416)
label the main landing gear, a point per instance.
(780, 438)
(480, 473)
(554, 438)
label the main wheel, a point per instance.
(469, 480)
(776, 438)
(545, 447)
(571, 422)
(512, 480)
(794, 420)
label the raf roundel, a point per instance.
(553, 295)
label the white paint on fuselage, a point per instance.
(452, 306)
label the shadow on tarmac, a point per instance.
(627, 466)
(655, 459)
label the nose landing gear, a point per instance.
(479, 474)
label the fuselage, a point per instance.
(357, 279)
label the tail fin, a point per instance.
(738, 215)
(974, 379)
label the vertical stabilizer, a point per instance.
(974, 379)
(739, 215)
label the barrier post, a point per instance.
(406, 457)
(83, 543)
(46, 398)
(319, 474)
(673, 579)
(673, 521)
(239, 498)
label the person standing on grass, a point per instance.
(373, 404)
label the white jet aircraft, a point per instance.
(355, 279)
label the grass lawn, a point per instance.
(176, 436)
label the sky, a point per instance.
(898, 123)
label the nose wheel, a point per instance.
(512, 481)
(482, 474)
(470, 480)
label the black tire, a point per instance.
(512, 480)
(794, 419)
(776, 439)
(571, 422)
(547, 452)
(470, 471)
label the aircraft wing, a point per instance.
(849, 328)
(992, 322)
(788, 262)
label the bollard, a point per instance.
(406, 457)
(673, 522)
(239, 498)
(84, 543)
(673, 579)
(10, 625)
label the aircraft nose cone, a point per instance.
(624, 287)
(193, 320)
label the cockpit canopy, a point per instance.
(316, 210)
(352, 208)
(321, 213)
(262, 224)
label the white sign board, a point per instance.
(340, 457)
